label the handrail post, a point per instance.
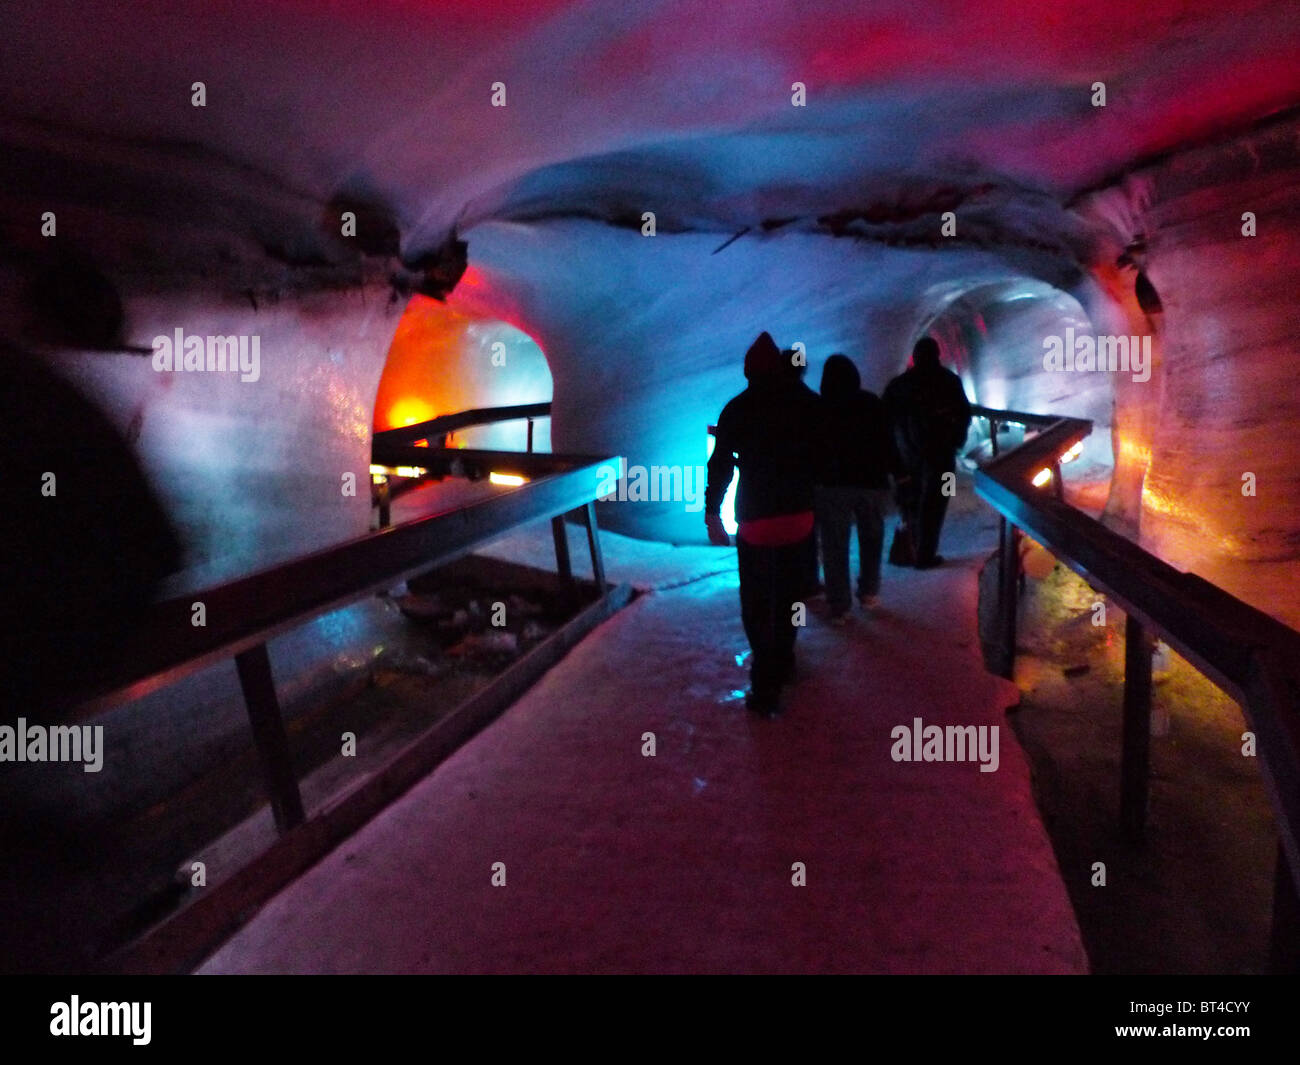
(254, 666)
(1135, 764)
(530, 436)
(562, 563)
(1284, 939)
(593, 542)
(1008, 594)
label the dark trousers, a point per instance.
(772, 580)
(813, 573)
(838, 508)
(926, 505)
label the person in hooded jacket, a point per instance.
(931, 417)
(796, 365)
(773, 432)
(854, 488)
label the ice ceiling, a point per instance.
(679, 107)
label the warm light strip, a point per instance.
(507, 478)
(1073, 453)
(1042, 477)
(397, 471)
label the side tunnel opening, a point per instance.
(1025, 345)
(445, 359)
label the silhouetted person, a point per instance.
(931, 416)
(796, 364)
(855, 484)
(772, 432)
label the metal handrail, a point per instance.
(398, 447)
(1253, 657)
(241, 615)
(246, 612)
(464, 419)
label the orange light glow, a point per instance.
(471, 278)
(382, 473)
(1042, 477)
(507, 478)
(1134, 452)
(408, 411)
(441, 360)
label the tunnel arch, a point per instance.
(444, 359)
(997, 336)
(993, 331)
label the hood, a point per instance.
(763, 359)
(840, 379)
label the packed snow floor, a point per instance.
(689, 860)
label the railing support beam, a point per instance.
(385, 494)
(1284, 941)
(254, 666)
(593, 542)
(1135, 765)
(563, 565)
(1007, 598)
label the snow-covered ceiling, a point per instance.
(673, 106)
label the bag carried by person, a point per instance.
(902, 552)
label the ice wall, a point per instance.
(1229, 406)
(250, 466)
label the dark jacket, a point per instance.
(930, 414)
(862, 453)
(774, 432)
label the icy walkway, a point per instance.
(682, 862)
